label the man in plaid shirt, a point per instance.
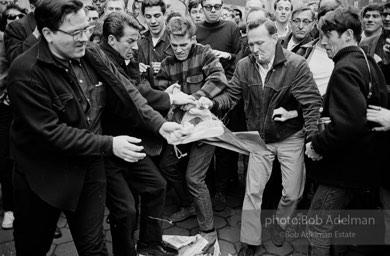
(199, 73)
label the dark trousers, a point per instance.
(36, 220)
(145, 179)
(6, 163)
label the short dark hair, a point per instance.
(151, 3)
(325, 9)
(277, 1)
(372, 7)
(239, 12)
(336, 3)
(341, 20)
(97, 30)
(268, 24)
(181, 26)
(303, 8)
(90, 8)
(386, 5)
(115, 23)
(51, 14)
(194, 4)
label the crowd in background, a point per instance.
(90, 95)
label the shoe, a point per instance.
(57, 233)
(278, 235)
(219, 204)
(211, 237)
(155, 249)
(8, 220)
(247, 250)
(183, 213)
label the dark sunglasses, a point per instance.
(385, 14)
(217, 7)
(13, 17)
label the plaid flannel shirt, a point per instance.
(201, 74)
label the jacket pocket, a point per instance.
(195, 83)
(66, 108)
(60, 102)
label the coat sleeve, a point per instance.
(347, 111)
(158, 100)
(17, 41)
(215, 79)
(305, 91)
(33, 111)
(137, 107)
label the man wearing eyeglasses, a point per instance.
(224, 38)
(301, 24)
(59, 90)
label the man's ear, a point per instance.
(47, 34)
(348, 35)
(111, 40)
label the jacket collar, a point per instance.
(311, 43)
(111, 51)
(279, 55)
(345, 51)
(44, 54)
(31, 20)
(285, 40)
(164, 38)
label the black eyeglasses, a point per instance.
(78, 34)
(385, 14)
(217, 7)
(13, 16)
(100, 1)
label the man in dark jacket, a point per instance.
(350, 156)
(271, 82)
(120, 34)
(302, 22)
(58, 90)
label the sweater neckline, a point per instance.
(212, 25)
(345, 50)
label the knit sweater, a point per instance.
(222, 36)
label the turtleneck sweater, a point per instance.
(223, 36)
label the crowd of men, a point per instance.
(90, 95)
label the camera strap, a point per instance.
(369, 71)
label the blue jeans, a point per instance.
(328, 203)
(199, 159)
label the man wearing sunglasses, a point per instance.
(20, 35)
(98, 4)
(224, 38)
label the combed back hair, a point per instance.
(268, 24)
(341, 20)
(303, 8)
(336, 3)
(277, 1)
(255, 9)
(171, 15)
(194, 4)
(181, 26)
(51, 14)
(372, 7)
(325, 9)
(151, 3)
(386, 5)
(123, 1)
(115, 23)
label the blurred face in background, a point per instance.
(227, 14)
(98, 4)
(197, 14)
(92, 15)
(301, 25)
(372, 22)
(114, 6)
(13, 14)
(283, 11)
(386, 19)
(155, 20)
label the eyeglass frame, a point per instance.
(305, 22)
(210, 7)
(100, 1)
(79, 32)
